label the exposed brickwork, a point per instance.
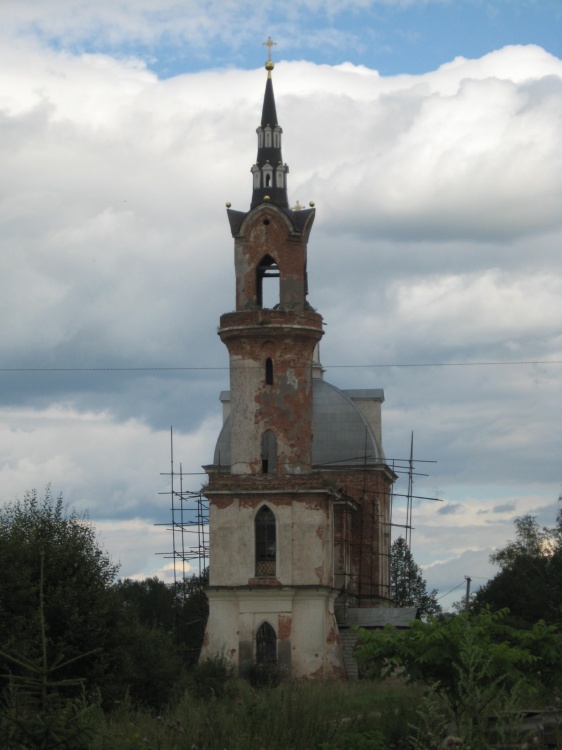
(288, 339)
(362, 533)
(333, 636)
(223, 502)
(277, 501)
(284, 623)
(331, 526)
(267, 230)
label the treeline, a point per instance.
(61, 601)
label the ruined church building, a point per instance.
(299, 490)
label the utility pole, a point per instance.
(468, 580)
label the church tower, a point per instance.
(298, 490)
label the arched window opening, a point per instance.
(269, 371)
(267, 295)
(268, 179)
(266, 645)
(269, 453)
(266, 542)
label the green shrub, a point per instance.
(370, 740)
(212, 677)
(262, 676)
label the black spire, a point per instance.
(269, 113)
(269, 172)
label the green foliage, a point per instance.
(529, 582)
(161, 630)
(262, 675)
(146, 667)
(179, 611)
(35, 712)
(430, 724)
(131, 637)
(349, 716)
(369, 740)
(213, 677)
(63, 725)
(474, 664)
(408, 586)
(192, 612)
(79, 611)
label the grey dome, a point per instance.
(342, 436)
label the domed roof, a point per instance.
(342, 436)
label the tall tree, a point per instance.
(79, 607)
(529, 582)
(409, 588)
(180, 611)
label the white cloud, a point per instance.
(437, 239)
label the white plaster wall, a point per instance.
(312, 561)
(229, 553)
(221, 635)
(236, 615)
(315, 642)
(304, 544)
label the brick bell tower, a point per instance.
(281, 527)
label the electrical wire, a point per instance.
(462, 583)
(331, 367)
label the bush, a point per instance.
(262, 676)
(213, 677)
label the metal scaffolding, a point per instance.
(189, 525)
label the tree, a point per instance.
(408, 586)
(529, 582)
(161, 634)
(79, 609)
(476, 664)
(179, 610)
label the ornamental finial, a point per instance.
(269, 64)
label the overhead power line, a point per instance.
(331, 367)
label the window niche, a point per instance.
(269, 371)
(266, 645)
(266, 542)
(267, 291)
(269, 453)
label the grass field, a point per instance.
(316, 716)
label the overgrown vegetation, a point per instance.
(475, 667)
(118, 637)
(91, 663)
(317, 716)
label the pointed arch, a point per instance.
(265, 527)
(266, 644)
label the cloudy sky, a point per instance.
(428, 134)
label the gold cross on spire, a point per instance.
(269, 44)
